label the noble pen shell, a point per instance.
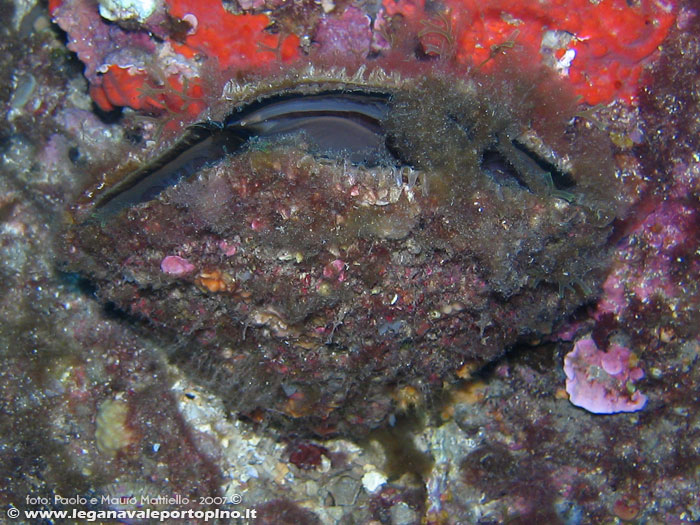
(319, 250)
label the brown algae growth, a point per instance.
(306, 274)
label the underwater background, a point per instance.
(476, 303)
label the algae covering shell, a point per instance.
(307, 286)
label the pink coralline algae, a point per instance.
(603, 382)
(347, 35)
(98, 43)
(663, 237)
(174, 265)
(228, 249)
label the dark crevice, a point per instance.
(496, 166)
(467, 130)
(77, 282)
(113, 312)
(108, 117)
(561, 180)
